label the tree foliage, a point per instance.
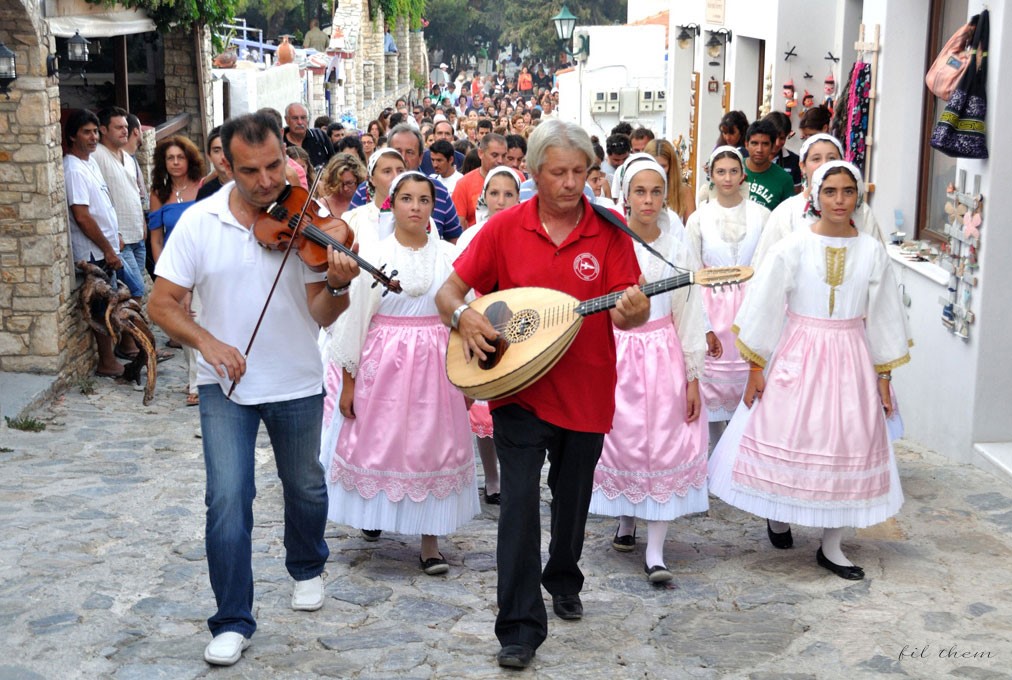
(458, 27)
(171, 15)
(528, 23)
(411, 10)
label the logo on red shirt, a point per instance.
(586, 266)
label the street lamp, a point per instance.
(8, 70)
(565, 24)
(715, 44)
(687, 35)
(77, 48)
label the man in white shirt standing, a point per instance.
(119, 170)
(94, 233)
(213, 252)
(441, 156)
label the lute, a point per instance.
(536, 327)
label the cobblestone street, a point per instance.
(102, 574)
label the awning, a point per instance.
(102, 24)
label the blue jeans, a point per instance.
(133, 256)
(229, 437)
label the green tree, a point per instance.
(458, 27)
(528, 23)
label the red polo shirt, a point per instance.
(465, 196)
(512, 250)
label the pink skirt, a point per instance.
(410, 438)
(723, 382)
(814, 450)
(652, 457)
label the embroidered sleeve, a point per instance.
(347, 334)
(688, 314)
(761, 317)
(888, 339)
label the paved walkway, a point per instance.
(102, 575)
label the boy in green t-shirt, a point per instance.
(769, 184)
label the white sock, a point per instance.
(626, 525)
(831, 547)
(656, 533)
(779, 527)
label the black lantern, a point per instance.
(8, 70)
(687, 35)
(77, 48)
(714, 45)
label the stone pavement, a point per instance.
(102, 575)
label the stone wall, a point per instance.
(372, 79)
(187, 57)
(40, 330)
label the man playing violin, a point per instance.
(213, 251)
(554, 240)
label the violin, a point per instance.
(278, 228)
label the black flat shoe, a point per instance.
(781, 541)
(851, 572)
(658, 573)
(434, 565)
(624, 543)
(515, 656)
(568, 607)
(371, 534)
(490, 498)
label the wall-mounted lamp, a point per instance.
(714, 45)
(8, 70)
(688, 33)
(565, 23)
(77, 50)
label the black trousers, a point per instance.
(521, 440)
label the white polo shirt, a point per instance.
(86, 186)
(212, 253)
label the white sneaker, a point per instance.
(308, 595)
(225, 649)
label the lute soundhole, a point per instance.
(522, 325)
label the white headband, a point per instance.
(413, 174)
(641, 165)
(724, 149)
(501, 170)
(820, 175)
(379, 153)
(815, 139)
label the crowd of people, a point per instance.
(785, 380)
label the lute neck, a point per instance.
(599, 304)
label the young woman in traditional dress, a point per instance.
(723, 232)
(653, 465)
(794, 213)
(402, 458)
(822, 326)
(373, 221)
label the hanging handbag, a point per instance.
(951, 62)
(961, 131)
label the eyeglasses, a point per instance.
(351, 184)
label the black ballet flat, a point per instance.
(658, 573)
(624, 543)
(850, 572)
(781, 541)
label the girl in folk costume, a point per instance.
(653, 465)
(373, 221)
(402, 458)
(823, 318)
(723, 232)
(501, 190)
(795, 214)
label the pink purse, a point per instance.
(949, 65)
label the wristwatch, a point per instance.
(455, 319)
(338, 292)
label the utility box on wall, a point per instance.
(612, 104)
(598, 101)
(646, 101)
(629, 103)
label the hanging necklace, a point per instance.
(579, 217)
(179, 191)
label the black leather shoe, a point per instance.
(851, 572)
(783, 540)
(371, 534)
(568, 607)
(658, 573)
(515, 656)
(491, 498)
(624, 543)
